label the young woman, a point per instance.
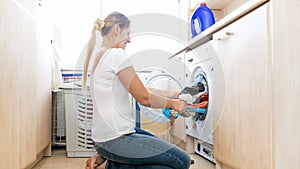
(113, 80)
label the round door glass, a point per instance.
(199, 76)
(158, 79)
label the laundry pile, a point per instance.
(196, 97)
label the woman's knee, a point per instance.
(187, 161)
(184, 160)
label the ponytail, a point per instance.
(103, 27)
(99, 24)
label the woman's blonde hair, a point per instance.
(103, 26)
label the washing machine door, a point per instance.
(158, 79)
(200, 126)
(200, 76)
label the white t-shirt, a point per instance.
(113, 114)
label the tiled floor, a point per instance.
(59, 160)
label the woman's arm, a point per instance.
(172, 94)
(145, 97)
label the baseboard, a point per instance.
(45, 153)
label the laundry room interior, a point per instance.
(234, 63)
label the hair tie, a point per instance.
(99, 24)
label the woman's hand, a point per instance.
(177, 93)
(179, 105)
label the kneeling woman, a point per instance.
(112, 81)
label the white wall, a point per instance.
(156, 25)
(133, 7)
(73, 21)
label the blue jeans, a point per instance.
(141, 151)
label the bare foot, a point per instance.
(101, 166)
(95, 162)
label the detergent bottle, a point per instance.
(201, 19)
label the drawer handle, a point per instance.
(225, 36)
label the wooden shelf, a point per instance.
(206, 35)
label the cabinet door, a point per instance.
(243, 128)
(25, 85)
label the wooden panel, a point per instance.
(172, 133)
(17, 56)
(22, 98)
(212, 4)
(222, 166)
(179, 129)
(243, 134)
(159, 129)
(286, 84)
(233, 6)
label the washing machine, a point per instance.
(203, 66)
(156, 70)
(158, 78)
(187, 69)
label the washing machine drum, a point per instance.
(159, 79)
(199, 76)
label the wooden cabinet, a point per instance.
(243, 128)
(261, 68)
(25, 85)
(258, 50)
(285, 84)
